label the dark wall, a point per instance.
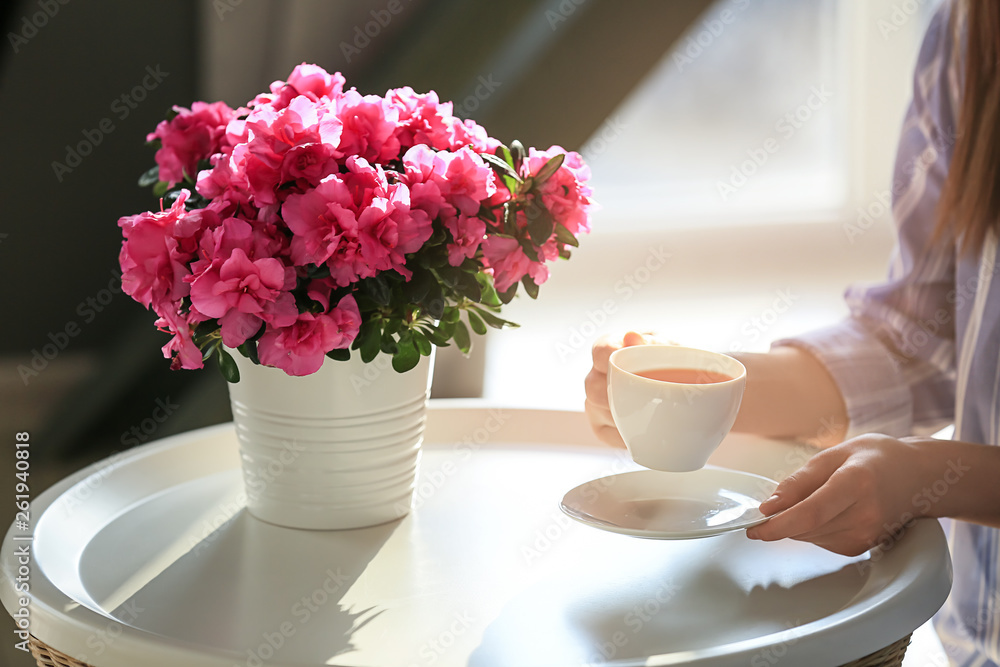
(64, 86)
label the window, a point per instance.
(748, 117)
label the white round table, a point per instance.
(150, 559)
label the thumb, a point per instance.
(633, 338)
(803, 482)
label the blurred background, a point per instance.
(741, 153)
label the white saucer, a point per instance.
(670, 505)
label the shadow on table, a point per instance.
(263, 591)
(616, 617)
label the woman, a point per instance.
(919, 351)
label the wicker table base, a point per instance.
(890, 656)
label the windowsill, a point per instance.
(737, 288)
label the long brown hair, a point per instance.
(970, 203)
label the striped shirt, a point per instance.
(920, 351)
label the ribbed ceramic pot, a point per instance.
(333, 450)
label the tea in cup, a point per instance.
(673, 405)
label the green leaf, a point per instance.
(486, 213)
(508, 296)
(422, 344)
(494, 321)
(563, 235)
(151, 177)
(462, 337)
(504, 154)
(160, 188)
(435, 336)
(488, 296)
(339, 354)
(388, 344)
(468, 286)
(228, 367)
(249, 350)
(509, 219)
(476, 322)
(500, 166)
(419, 285)
(378, 289)
(518, 153)
(540, 222)
(406, 357)
(451, 315)
(510, 182)
(369, 340)
(434, 303)
(530, 287)
(529, 249)
(549, 168)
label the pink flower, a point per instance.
(565, 193)
(422, 119)
(468, 233)
(300, 348)
(469, 133)
(357, 223)
(508, 261)
(191, 136)
(152, 262)
(312, 81)
(315, 81)
(462, 177)
(319, 219)
(273, 135)
(181, 349)
(369, 127)
(242, 294)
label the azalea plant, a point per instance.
(317, 222)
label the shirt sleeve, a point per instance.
(893, 359)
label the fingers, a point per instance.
(602, 349)
(605, 345)
(803, 482)
(812, 517)
(603, 424)
(633, 338)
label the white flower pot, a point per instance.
(333, 450)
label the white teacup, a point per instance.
(669, 425)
